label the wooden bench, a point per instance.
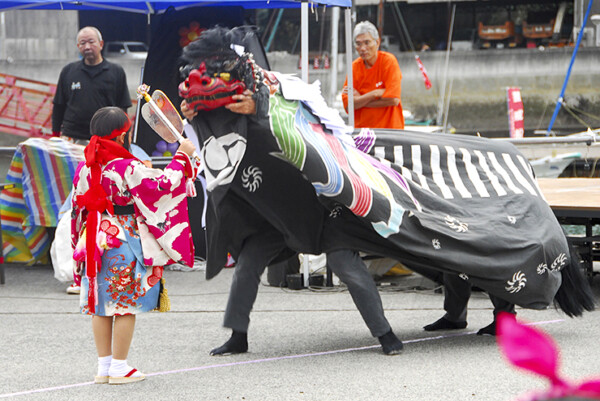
(576, 201)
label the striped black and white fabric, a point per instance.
(456, 169)
(478, 213)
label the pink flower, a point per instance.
(529, 348)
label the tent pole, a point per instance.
(442, 101)
(348, 29)
(335, 19)
(564, 87)
(304, 40)
(304, 67)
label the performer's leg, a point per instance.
(350, 268)
(500, 305)
(456, 297)
(254, 257)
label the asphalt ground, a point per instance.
(304, 345)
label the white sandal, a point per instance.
(128, 378)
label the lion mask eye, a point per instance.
(225, 76)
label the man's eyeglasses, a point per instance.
(82, 43)
(361, 43)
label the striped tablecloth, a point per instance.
(42, 171)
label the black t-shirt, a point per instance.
(82, 90)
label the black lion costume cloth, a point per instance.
(459, 204)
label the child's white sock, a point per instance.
(120, 368)
(104, 365)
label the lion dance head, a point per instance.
(215, 67)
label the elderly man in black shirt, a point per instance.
(85, 86)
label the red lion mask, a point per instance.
(203, 92)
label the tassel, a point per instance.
(190, 188)
(164, 303)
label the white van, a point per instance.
(130, 50)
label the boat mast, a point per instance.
(564, 87)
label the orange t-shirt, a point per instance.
(386, 74)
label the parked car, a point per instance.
(538, 28)
(499, 36)
(130, 50)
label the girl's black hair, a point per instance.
(108, 119)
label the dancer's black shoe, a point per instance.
(237, 344)
(489, 330)
(445, 324)
(390, 344)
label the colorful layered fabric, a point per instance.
(159, 201)
(42, 171)
(466, 205)
(459, 204)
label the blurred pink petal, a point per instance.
(590, 389)
(528, 348)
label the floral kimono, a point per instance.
(144, 226)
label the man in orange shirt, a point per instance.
(376, 81)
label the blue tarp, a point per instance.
(153, 7)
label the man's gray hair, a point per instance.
(365, 27)
(93, 28)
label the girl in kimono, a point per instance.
(128, 221)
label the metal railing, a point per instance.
(25, 106)
(589, 138)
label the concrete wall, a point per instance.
(477, 83)
(38, 35)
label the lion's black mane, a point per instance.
(213, 47)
